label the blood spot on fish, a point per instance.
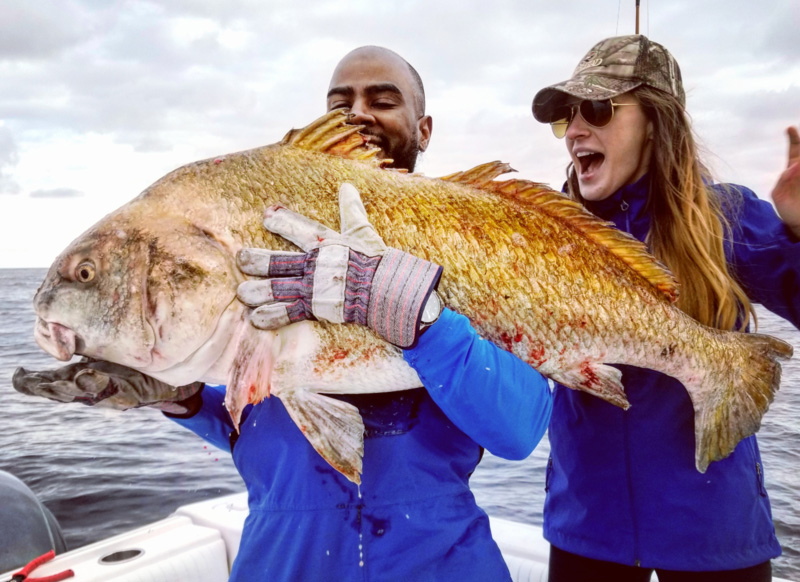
(218, 161)
(536, 355)
(340, 354)
(590, 378)
(509, 340)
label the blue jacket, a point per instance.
(414, 516)
(622, 486)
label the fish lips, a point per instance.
(57, 340)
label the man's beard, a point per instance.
(406, 157)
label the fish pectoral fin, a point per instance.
(334, 428)
(599, 380)
(250, 372)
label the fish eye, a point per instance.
(85, 272)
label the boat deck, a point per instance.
(199, 542)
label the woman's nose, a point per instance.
(577, 127)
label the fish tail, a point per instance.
(727, 412)
(333, 427)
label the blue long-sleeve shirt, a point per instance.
(414, 516)
(622, 485)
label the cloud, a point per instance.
(9, 157)
(31, 31)
(56, 193)
(108, 96)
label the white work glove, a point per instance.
(347, 277)
(106, 385)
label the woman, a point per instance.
(623, 495)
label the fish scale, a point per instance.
(535, 272)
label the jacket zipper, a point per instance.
(624, 206)
(631, 500)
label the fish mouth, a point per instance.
(57, 340)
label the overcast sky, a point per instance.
(99, 98)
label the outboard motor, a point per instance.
(27, 528)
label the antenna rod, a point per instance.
(637, 16)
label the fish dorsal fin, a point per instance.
(330, 134)
(631, 251)
(480, 176)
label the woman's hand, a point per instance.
(786, 194)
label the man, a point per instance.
(414, 516)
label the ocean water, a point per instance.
(104, 472)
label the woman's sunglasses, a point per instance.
(595, 113)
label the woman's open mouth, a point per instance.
(589, 162)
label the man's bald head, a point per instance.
(371, 52)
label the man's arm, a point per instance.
(209, 418)
(498, 400)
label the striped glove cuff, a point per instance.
(400, 289)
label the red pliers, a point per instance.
(22, 575)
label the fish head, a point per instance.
(144, 292)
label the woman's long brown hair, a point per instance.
(688, 228)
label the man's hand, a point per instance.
(786, 194)
(106, 385)
(347, 277)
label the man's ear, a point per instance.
(425, 128)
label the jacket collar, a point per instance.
(626, 208)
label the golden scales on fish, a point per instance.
(153, 286)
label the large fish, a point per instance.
(153, 286)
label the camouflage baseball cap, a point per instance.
(613, 66)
